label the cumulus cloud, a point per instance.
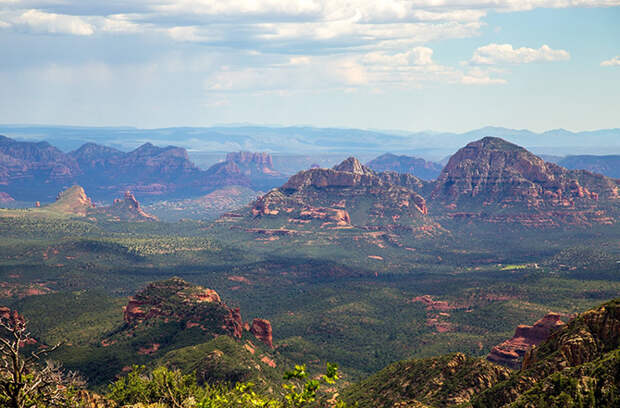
(273, 45)
(614, 62)
(479, 76)
(415, 56)
(42, 22)
(505, 54)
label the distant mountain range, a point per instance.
(311, 140)
(489, 180)
(36, 171)
(607, 165)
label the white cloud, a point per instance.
(478, 76)
(120, 23)
(614, 62)
(505, 54)
(415, 56)
(42, 22)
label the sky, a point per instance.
(445, 65)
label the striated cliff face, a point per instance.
(260, 160)
(494, 176)
(261, 329)
(511, 352)
(331, 196)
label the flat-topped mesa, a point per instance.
(263, 159)
(510, 353)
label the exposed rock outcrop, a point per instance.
(72, 201)
(128, 209)
(75, 202)
(261, 329)
(194, 306)
(175, 299)
(581, 352)
(511, 352)
(328, 197)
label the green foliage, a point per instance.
(173, 389)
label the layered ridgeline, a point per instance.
(177, 324)
(348, 195)
(36, 171)
(578, 365)
(608, 165)
(496, 181)
(488, 181)
(74, 202)
(421, 168)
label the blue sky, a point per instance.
(449, 65)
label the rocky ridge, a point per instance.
(446, 381)
(577, 365)
(329, 197)
(510, 352)
(579, 353)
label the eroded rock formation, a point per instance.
(511, 352)
(261, 328)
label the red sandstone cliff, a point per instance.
(511, 352)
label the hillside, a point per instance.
(576, 366)
(169, 322)
(208, 206)
(446, 381)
